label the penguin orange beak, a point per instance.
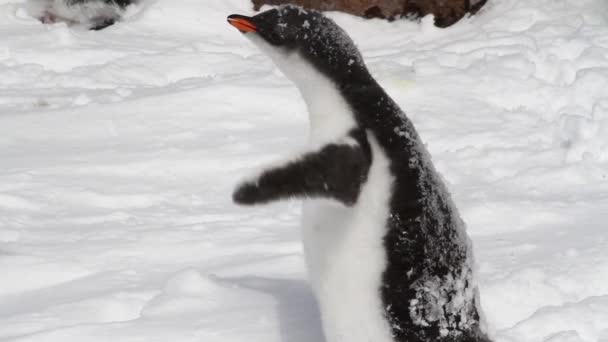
(242, 23)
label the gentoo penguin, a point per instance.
(387, 254)
(95, 14)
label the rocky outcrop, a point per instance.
(446, 12)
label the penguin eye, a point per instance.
(275, 38)
(279, 35)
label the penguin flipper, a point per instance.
(336, 171)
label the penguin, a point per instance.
(94, 14)
(387, 254)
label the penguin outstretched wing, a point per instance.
(336, 171)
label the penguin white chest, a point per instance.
(343, 246)
(345, 257)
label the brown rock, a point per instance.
(446, 12)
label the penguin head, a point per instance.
(297, 39)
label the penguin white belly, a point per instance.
(345, 257)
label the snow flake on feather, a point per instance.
(287, 7)
(447, 303)
(402, 133)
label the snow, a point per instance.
(120, 150)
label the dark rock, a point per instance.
(446, 12)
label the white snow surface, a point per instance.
(119, 150)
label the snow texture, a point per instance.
(120, 150)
